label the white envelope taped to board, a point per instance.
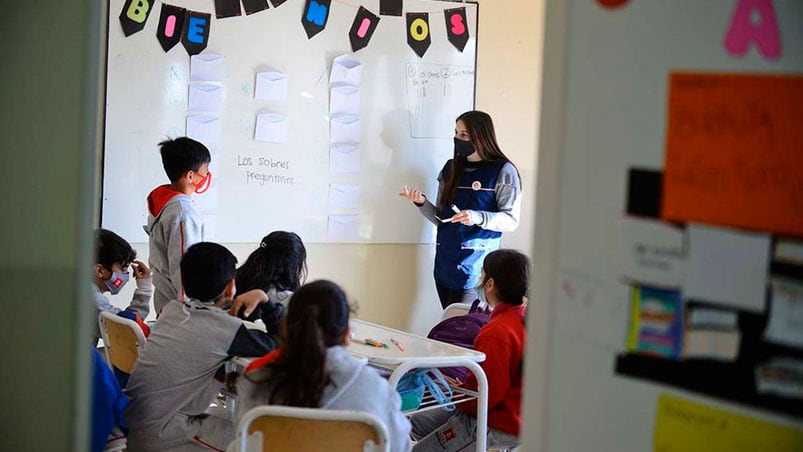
(345, 196)
(345, 129)
(272, 128)
(344, 159)
(344, 100)
(207, 68)
(204, 128)
(205, 98)
(343, 227)
(271, 86)
(345, 71)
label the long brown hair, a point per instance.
(317, 318)
(483, 137)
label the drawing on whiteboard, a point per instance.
(432, 104)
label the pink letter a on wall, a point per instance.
(763, 30)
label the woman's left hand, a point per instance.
(464, 217)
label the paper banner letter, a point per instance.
(134, 15)
(227, 8)
(196, 32)
(362, 29)
(316, 13)
(418, 37)
(456, 27)
(277, 3)
(743, 30)
(254, 6)
(390, 7)
(612, 4)
(171, 23)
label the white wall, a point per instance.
(393, 284)
(604, 110)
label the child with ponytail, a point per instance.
(313, 369)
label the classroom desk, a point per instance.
(419, 352)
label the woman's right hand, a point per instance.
(413, 194)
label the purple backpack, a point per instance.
(461, 330)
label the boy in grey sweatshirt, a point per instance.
(174, 224)
(180, 370)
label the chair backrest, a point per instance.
(310, 429)
(122, 338)
(455, 309)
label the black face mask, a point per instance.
(463, 148)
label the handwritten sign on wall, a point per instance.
(683, 426)
(734, 151)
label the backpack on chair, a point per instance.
(461, 331)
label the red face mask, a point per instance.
(204, 184)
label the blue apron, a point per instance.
(461, 249)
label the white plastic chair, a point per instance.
(455, 309)
(122, 339)
(280, 428)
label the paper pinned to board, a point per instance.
(344, 100)
(785, 325)
(727, 267)
(652, 252)
(684, 426)
(346, 71)
(271, 86)
(346, 196)
(205, 97)
(204, 128)
(271, 128)
(344, 159)
(343, 227)
(207, 67)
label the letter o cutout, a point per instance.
(419, 29)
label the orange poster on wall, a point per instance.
(734, 151)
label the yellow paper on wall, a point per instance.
(683, 426)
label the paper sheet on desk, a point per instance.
(205, 97)
(727, 267)
(344, 159)
(207, 68)
(271, 86)
(344, 100)
(345, 196)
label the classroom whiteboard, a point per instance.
(408, 106)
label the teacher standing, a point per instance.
(479, 198)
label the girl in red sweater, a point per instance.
(505, 281)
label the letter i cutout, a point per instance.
(743, 30)
(362, 29)
(171, 25)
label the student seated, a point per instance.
(108, 407)
(505, 281)
(278, 267)
(180, 370)
(113, 257)
(314, 370)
